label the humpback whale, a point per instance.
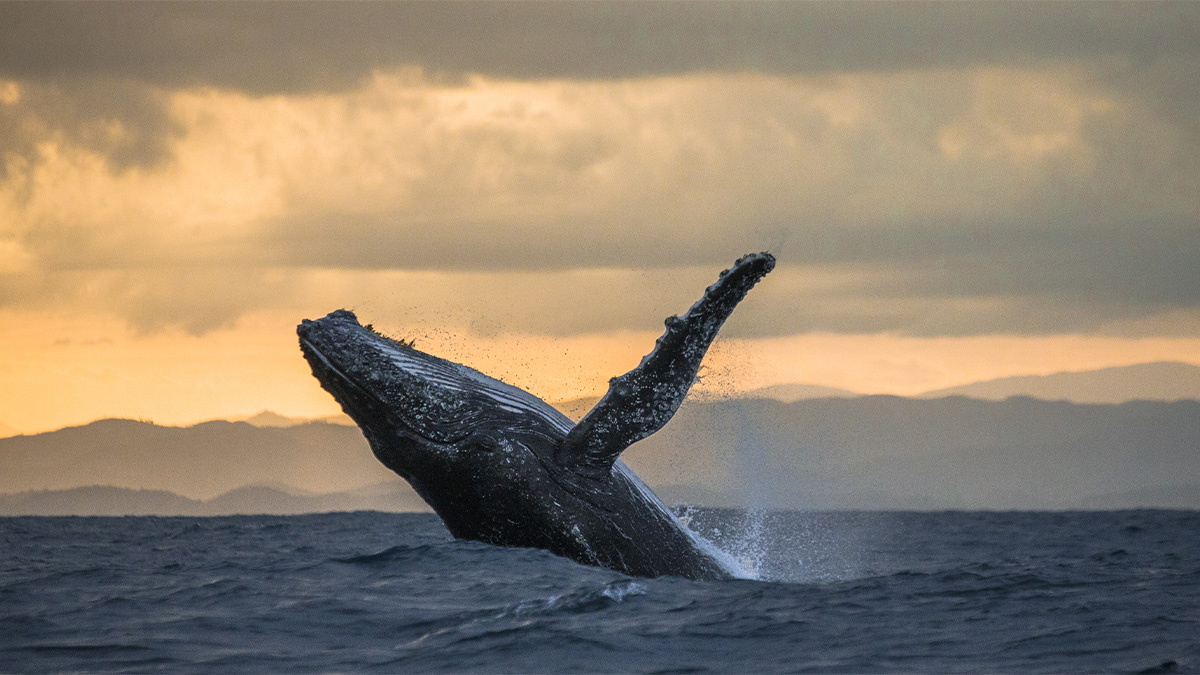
(499, 465)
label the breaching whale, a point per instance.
(500, 465)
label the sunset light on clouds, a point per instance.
(953, 192)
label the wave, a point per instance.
(388, 556)
(889, 592)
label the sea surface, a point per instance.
(961, 592)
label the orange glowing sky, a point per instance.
(953, 192)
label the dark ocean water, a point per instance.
(841, 592)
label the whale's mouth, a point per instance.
(346, 360)
(366, 408)
(319, 362)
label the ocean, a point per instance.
(866, 592)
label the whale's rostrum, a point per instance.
(500, 465)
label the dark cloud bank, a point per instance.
(288, 47)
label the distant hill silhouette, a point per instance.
(576, 408)
(199, 462)
(1163, 381)
(7, 431)
(789, 393)
(100, 500)
(886, 452)
(869, 452)
(1170, 497)
(270, 418)
(394, 495)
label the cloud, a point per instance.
(125, 122)
(287, 48)
(924, 175)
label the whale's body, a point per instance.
(499, 465)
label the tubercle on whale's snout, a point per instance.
(336, 316)
(330, 323)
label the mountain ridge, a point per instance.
(199, 462)
(869, 452)
(1183, 384)
(107, 500)
(1153, 381)
(7, 431)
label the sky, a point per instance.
(954, 192)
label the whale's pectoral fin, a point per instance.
(641, 401)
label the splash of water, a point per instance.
(752, 546)
(784, 546)
(708, 536)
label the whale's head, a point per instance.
(430, 420)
